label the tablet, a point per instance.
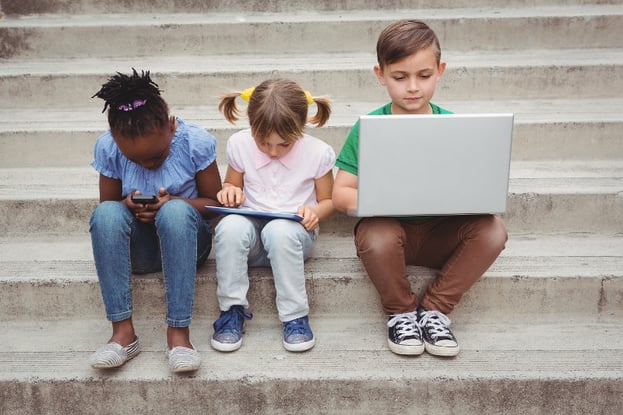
(256, 213)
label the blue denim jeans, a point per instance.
(176, 243)
(241, 242)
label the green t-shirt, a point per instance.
(348, 157)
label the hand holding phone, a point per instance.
(144, 199)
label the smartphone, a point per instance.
(144, 199)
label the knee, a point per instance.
(282, 232)
(173, 213)
(109, 215)
(378, 235)
(494, 230)
(232, 227)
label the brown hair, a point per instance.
(404, 38)
(277, 106)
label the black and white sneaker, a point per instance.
(438, 339)
(404, 336)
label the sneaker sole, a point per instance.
(225, 347)
(405, 350)
(299, 347)
(442, 351)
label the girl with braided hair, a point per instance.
(149, 152)
(273, 166)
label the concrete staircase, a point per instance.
(541, 332)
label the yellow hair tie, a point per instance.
(246, 94)
(310, 99)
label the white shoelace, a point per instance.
(435, 323)
(406, 324)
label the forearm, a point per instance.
(324, 209)
(345, 200)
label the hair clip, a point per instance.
(132, 106)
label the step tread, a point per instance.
(60, 350)
(218, 64)
(69, 258)
(224, 17)
(90, 118)
(552, 177)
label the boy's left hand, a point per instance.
(310, 218)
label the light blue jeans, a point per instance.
(241, 242)
(176, 243)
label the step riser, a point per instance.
(20, 7)
(491, 299)
(362, 396)
(526, 212)
(175, 37)
(536, 141)
(459, 83)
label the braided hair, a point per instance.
(135, 107)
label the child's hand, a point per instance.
(230, 196)
(146, 213)
(310, 218)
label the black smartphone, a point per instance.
(144, 199)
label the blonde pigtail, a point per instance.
(323, 105)
(228, 106)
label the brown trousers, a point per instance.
(462, 248)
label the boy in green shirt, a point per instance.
(462, 248)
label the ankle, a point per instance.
(123, 332)
(178, 336)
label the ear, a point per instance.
(172, 124)
(440, 70)
(379, 74)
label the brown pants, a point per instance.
(462, 248)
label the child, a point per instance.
(273, 166)
(461, 247)
(148, 152)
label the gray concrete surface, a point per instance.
(541, 332)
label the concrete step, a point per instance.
(572, 365)
(544, 129)
(20, 7)
(546, 275)
(149, 35)
(549, 196)
(198, 80)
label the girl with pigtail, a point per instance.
(148, 152)
(273, 166)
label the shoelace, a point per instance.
(296, 326)
(232, 320)
(406, 325)
(435, 323)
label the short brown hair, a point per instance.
(404, 38)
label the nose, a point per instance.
(272, 151)
(412, 85)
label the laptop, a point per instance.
(446, 164)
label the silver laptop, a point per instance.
(447, 164)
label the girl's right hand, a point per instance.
(230, 196)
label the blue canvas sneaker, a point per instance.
(297, 335)
(228, 329)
